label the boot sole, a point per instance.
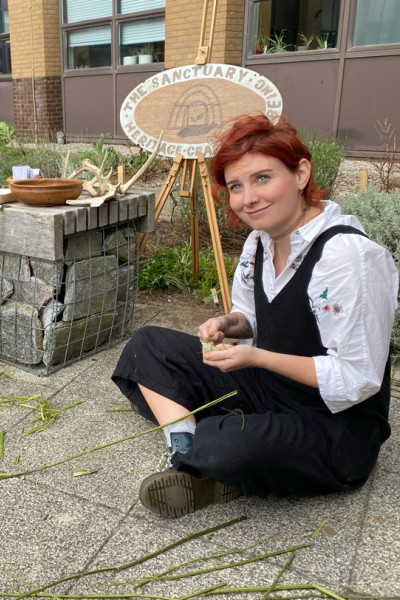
(177, 493)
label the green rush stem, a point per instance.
(113, 442)
(2, 435)
(209, 592)
(202, 592)
(282, 588)
(150, 578)
(90, 596)
(240, 563)
(133, 563)
(287, 564)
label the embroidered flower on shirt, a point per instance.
(337, 309)
(247, 271)
(297, 262)
(326, 307)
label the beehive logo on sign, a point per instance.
(197, 112)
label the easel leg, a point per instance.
(189, 176)
(194, 224)
(216, 241)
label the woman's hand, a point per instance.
(234, 325)
(230, 358)
(213, 330)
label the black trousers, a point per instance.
(256, 439)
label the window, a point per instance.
(5, 53)
(142, 39)
(135, 6)
(76, 10)
(293, 25)
(377, 22)
(135, 34)
(89, 47)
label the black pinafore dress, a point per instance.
(275, 436)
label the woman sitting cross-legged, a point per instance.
(313, 303)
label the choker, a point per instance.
(300, 221)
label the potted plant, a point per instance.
(322, 41)
(262, 43)
(305, 40)
(131, 58)
(276, 43)
(146, 54)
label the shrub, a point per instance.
(387, 166)
(380, 216)
(326, 158)
(172, 269)
(7, 133)
(48, 161)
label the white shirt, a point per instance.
(353, 295)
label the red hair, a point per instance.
(256, 133)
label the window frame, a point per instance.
(5, 38)
(288, 55)
(370, 49)
(114, 22)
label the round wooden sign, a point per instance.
(190, 103)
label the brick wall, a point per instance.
(41, 117)
(183, 28)
(36, 66)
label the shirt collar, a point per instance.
(307, 233)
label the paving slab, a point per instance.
(56, 524)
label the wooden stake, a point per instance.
(121, 174)
(363, 179)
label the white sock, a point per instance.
(185, 426)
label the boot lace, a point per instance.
(165, 462)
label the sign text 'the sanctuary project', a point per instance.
(190, 103)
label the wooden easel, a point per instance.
(188, 187)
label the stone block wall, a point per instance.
(55, 312)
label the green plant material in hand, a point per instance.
(326, 158)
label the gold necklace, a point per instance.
(300, 221)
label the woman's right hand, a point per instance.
(213, 330)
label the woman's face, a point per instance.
(264, 193)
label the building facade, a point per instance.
(68, 65)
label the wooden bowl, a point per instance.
(45, 192)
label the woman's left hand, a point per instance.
(231, 358)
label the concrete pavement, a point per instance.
(56, 524)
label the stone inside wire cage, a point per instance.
(54, 312)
